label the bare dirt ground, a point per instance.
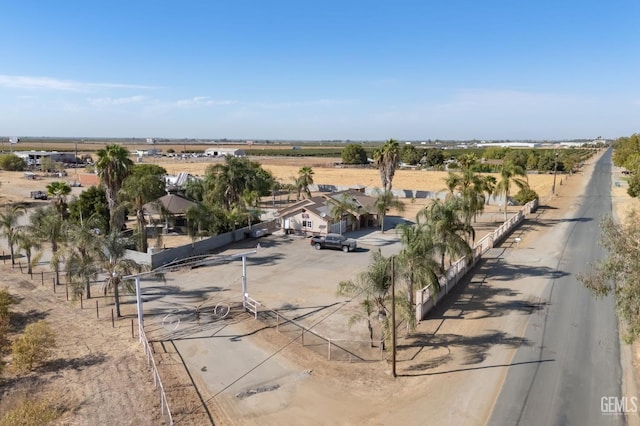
(100, 373)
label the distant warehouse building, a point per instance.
(223, 152)
(33, 157)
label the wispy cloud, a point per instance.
(117, 101)
(300, 104)
(203, 100)
(48, 83)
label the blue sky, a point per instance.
(310, 70)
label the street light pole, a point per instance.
(555, 172)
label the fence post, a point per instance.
(97, 311)
(303, 337)
(66, 289)
(54, 284)
(113, 323)
(42, 275)
(132, 334)
(81, 307)
(20, 265)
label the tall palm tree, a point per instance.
(509, 175)
(341, 206)
(27, 241)
(304, 179)
(384, 202)
(113, 167)
(418, 266)
(386, 159)
(9, 221)
(450, 234)
(111, 259)
(59, 191)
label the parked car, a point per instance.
(334, 241)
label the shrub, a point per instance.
(30, 412)
(12, 163)
(33, 347)
(525, 195)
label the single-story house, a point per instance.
(172, 204)
(313, 216)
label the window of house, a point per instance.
(307, 224)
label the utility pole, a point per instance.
(393, 318)
(555, 172)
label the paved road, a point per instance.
(574, 359)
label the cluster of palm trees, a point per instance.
(443, 230)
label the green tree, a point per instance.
(619, 272)
(12, 163)
(111, 256)
(354, 154)
(59, 191)
(634, 186)
(509, 175)
(434, 157)
(9, 221)
(409, 154)
(525, 195)
(384, 202)
(113, 167)
(91, 202)
(145, 184)
(304, 179)
(386, 159)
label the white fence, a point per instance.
(425, 301)
(151, 362)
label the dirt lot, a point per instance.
(103, 377)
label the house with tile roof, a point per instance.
(313, 216)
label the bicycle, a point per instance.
(173, 319)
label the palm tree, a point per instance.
(373, 287)
(489, 186)
(418, 266)
(49, 226)
(82, 244)
(59, 190)
(113, 167)
(509, 175)
(384, 202)
(27, 241)
(305, 178)
(9, 218)
(452, 181)
(441, 220)
(386, 159)
(341, 206)
(111, 259)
